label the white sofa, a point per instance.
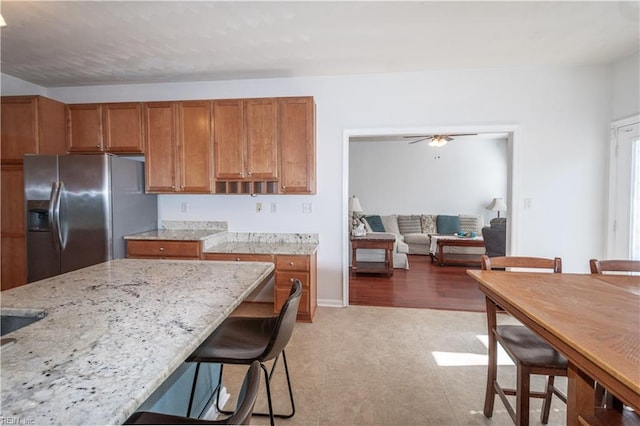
(415, 230)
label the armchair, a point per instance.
(495, 237)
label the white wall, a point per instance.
(561, 114)
(625, 93)
(395, 177)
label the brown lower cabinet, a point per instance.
(288, 268)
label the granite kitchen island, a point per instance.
(112, 334)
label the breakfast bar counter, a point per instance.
(112, 333)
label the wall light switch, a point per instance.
(258, 207)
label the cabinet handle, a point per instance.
(249, 173)
(181, 186)
(239, 173)
(173, 187)
(237, 259)
(97, 146)
(290, 263)
(291, 279)
(284, 187)
(161, 248)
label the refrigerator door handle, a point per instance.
(55, 206)
(53, 224)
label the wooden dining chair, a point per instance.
(529, 352)
(604, 266)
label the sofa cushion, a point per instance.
(428, 223)
(390, 223)
(375, 222)
(448, 225)
(417, 238)
(409, 224)
(470, 223)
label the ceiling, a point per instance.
(57, 44)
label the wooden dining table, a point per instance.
(593, 320)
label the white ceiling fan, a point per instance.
(437, 140)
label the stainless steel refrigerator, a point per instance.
(78, 208)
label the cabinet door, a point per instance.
(84, 128)
(296, 117)
(195, 146)
(14, 272)
(123, 127)
(261, 130)
(19, 128)
(228, 139)
(160, 149)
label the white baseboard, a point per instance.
(330, 303)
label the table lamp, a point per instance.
(497, 204)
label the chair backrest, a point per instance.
(247, 397)
(495, 241)
(489, 263)
(283, 323)
(601, 266)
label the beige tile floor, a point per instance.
(387, 366)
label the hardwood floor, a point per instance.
(424, 285)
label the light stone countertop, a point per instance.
(174, 234)
(221, 241)
(113, 333)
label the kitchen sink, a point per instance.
(12, 320)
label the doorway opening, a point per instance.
(429, 159)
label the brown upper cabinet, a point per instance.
(31, 125)
(178, 146)
(245, 139)
(113, 127)
(297, 137)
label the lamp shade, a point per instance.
(497, 204)
(354, 205)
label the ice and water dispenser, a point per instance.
(38, 215)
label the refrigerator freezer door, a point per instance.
(43, 251)
(85, 210)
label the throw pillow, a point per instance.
(390, 223)
(409, 224)
(428, 224)
(448, 225)
(375, 223)
(470, 223)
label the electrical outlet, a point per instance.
(274, 207)
(307, 207)
(184, 206)
(258, 207)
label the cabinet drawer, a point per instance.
(292, 263)
(163, 248)
(239, 257)
(285, 279)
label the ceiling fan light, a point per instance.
(438, 141)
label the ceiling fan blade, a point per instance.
(462, 134)
(416, 136)
(420, 140)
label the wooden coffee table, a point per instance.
(444, 258)
(373, 241)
